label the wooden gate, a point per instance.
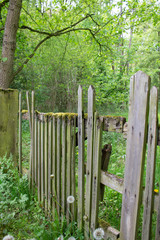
(72, 186)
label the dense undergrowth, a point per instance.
(20, 213)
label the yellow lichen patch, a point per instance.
(113, 117)
(24, 111)
(8, 90)
(85, 115)
(103, 224)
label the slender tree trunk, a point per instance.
(130, 42)
(9, 43)
(159, 58)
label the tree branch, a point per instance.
(56, 34)
(30, 16)
(30, 56)
(34, 30)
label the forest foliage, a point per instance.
(61, 44)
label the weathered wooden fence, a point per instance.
(56, 171)
(58, 174)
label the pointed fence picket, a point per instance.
(57, 171)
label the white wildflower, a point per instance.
(70, 199)
(8, 237)
(98, 234)
(71, 238)
(60, 237)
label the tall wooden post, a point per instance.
(9, 123)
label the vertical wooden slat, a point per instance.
(33, 140)
(42, 159)
(36, 150)
(106, 152)
(59, 166)
(68, 167)
(73, 178)
(30, 126)
(46, 163)
(135, 154)
(20, 133)
(39, 160)
(80, 158)
(29, 111)
(96, 172)
(90, 130)
(150, 171)
(64, 151)
(49, 163)
(54, 165)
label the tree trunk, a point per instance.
(9, 43)
(159, 59)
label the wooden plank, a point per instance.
(54, 166)
(80, 158)
(39, 160)
(30, 126)
(49, 163)
(112, 181)
(106, 153)
(111, 123)
(150, 170)
(36, 150)
(42, 160)
(90, 131)
(59, 166)
(20, 133)
(46, 162)
(135, 154)
(73, 177)
(29, 111)
(109, 232)
(33, 140)
(69, 153)
(64, 164)
(116, 183)
(96, 172)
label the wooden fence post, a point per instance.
(69, 155)
(42, 160)
(20, 133)
(30, 126)
(33, 142)
(59, 166)
(150, 171)
(96, 172)
(49, 163)
(64, 164)
(73, 177)
(80, 158)
(46, 163)
(54, 166)
(36, 150)
(90, 133)
(135, 154)
(39, 160)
